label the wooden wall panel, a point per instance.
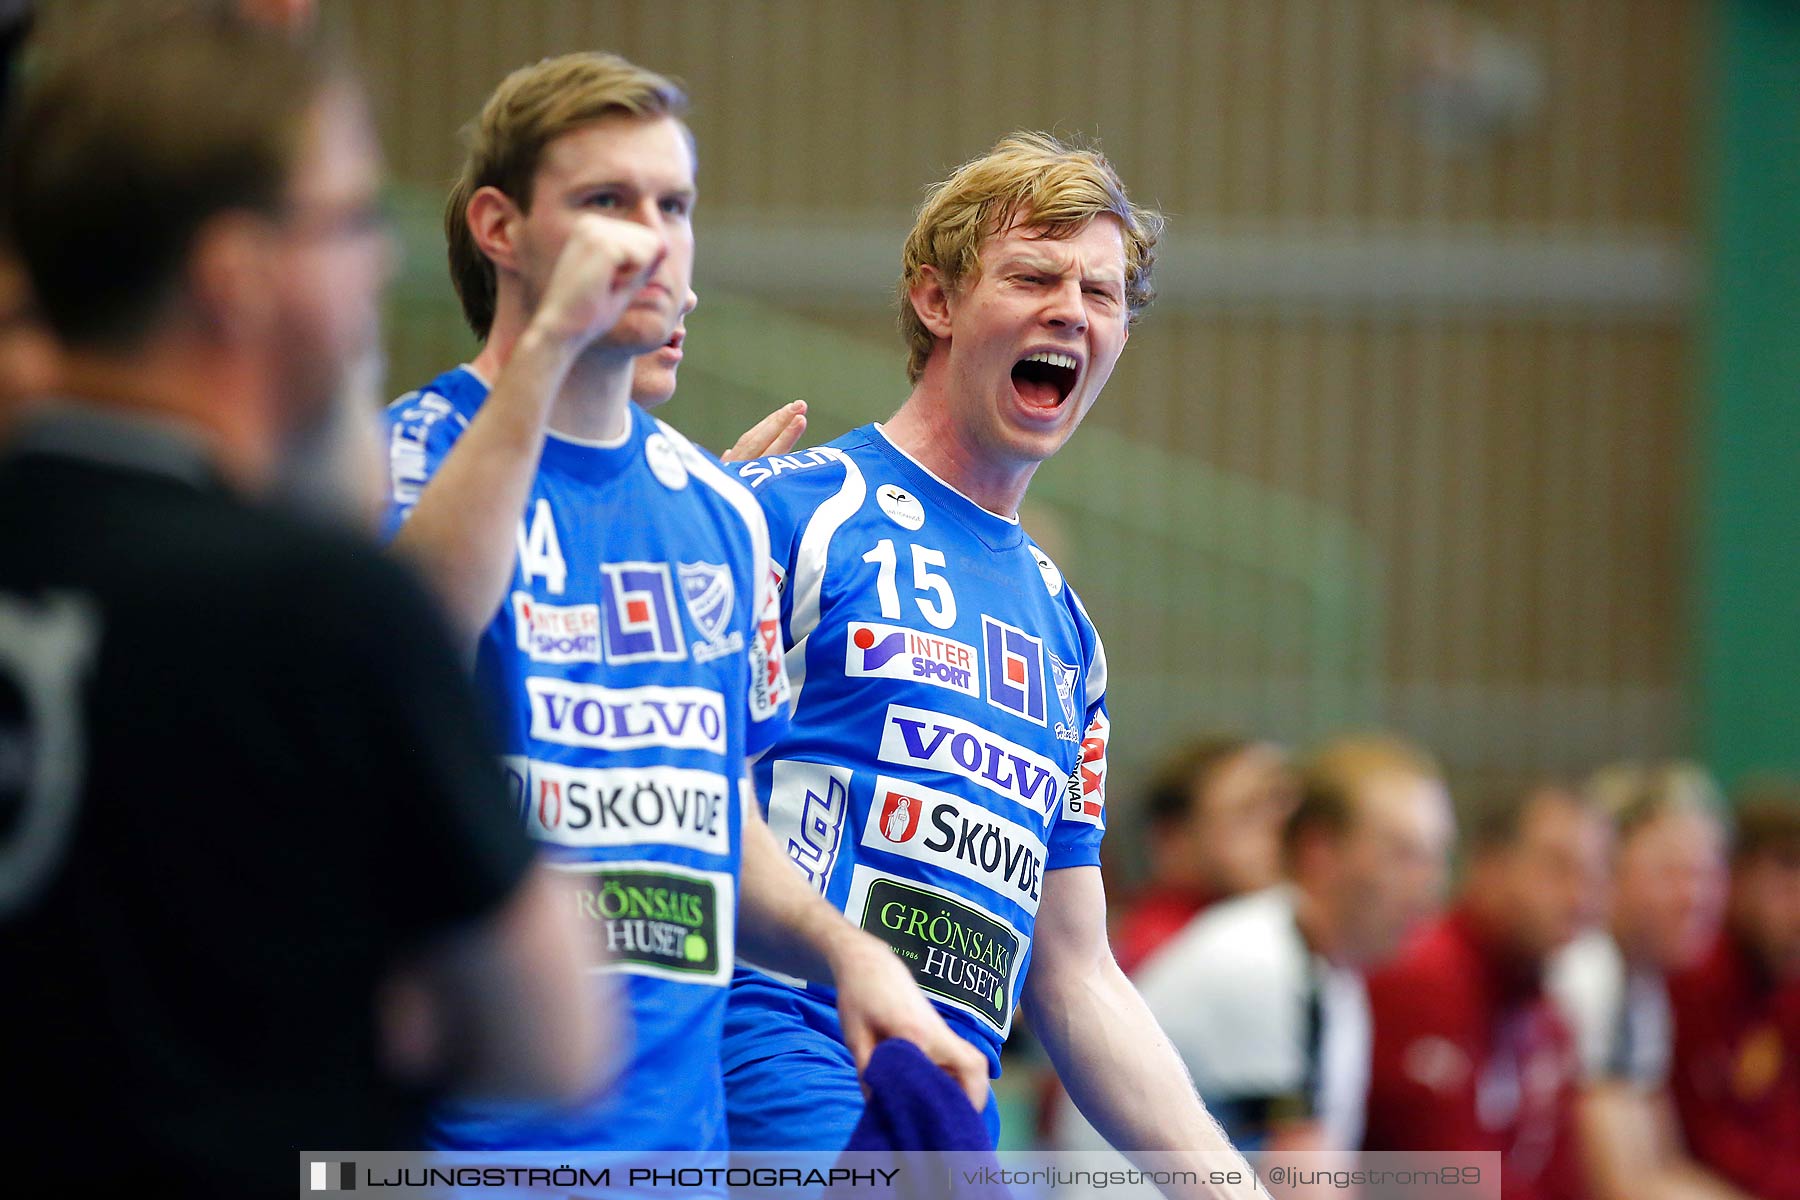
(1524, 476)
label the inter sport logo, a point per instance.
(895, 652)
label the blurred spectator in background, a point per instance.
(1611, 982)
(1263, 994)
(1469, 1053)
(1214, 812)
(1736, 1074)
(259, 889)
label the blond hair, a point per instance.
(531, 108)
(1332, 778)
(1633, 794)
(1028, 179)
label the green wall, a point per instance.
(1748, 631)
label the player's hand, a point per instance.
(602, 268)
(776, 433)
(877, 1000)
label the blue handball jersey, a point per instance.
(948, 741)
(632, 668)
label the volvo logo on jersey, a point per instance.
(918, 737)
(896, 652)
(709, 593)
(954, 950)
(599, 718)
(638, 612)
(1015, 669)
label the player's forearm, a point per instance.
(783, 924)
(1128, 1081)
(462, 531)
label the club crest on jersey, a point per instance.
(901, 506)
(709, 592)
(638, 614)
(1065, 677)
(877, 651)
(1014, 662)
(900, 816)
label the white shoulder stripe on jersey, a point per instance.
(734, 493)
(806, 578)
(765, 701)
(1096, 672)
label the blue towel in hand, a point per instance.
(915, 1106)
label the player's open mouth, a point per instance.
(1044, 378)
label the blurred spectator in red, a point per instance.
(1611, 983)
(1214, 811)
(1469, 1052)
(1263, 994)
(1736, 1074)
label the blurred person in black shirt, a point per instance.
(259, 890)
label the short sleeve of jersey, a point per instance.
(421, 428)
(1075, 838)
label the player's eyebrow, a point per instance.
(634, 186)
(1030, 261)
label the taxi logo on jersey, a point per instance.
(875, 651)
(768, 674)
(901, 506)
(1065, 677)
(638, 614)
(1086, 798)
(556, 633)
(1015, 669)
(709, 593)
